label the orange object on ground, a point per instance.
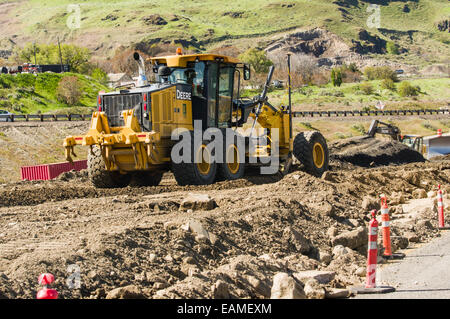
(386, 228)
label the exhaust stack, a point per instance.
(142, 79)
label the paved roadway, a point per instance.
(423, 274)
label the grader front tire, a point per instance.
(102, 178)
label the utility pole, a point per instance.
(34, 47)
(60, 56)
(289, 87)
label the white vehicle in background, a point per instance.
(5, 116)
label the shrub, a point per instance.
(336, 77)
(388, 84)
(257, 59)
(100, 75)
(380, 73)
(3, 83)
(359, 128)
(392, 48)
(367, 88)
(335, 93)
(406, 89)
(69, 90)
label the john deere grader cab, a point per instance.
(192, 121)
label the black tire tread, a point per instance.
(303, 151)
(186, 174)
(99, 176)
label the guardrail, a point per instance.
(84, 117)
(44, 117)
(368, 113)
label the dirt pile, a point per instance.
(139, 240)
(367, 151)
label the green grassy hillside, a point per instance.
(27, 93)
(434, 93)
(204, 24)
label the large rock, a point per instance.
(220, 290)
(293, 237)
(419, 193)
(196, 227)
(396, 198)
(321, 276)
(198, 202)
(285, 287)
(340, 250)
(370, 203)
(400, 242)
(259, 286)
(325, 257)
(313, 290)
(127, 292)
(412, 237)
(334, 293)
(352, 239)
(332, 231)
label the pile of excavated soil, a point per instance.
(144, 242)
(367, 151)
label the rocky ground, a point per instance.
(258, 237)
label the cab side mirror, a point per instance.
(246, 72)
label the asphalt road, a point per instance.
(423, 274)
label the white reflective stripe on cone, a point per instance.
(385, 224)
(385, 211)
(440, 204)
(373, 231)
(372, 245)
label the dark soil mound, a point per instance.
(367, 151)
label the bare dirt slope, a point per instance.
(34, 143)
(252, 228)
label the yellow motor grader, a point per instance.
(142, 131)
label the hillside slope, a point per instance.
(27, 93)
(204, 25)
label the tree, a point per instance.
(76, 57)
(257, 59)
(336, 77)
(100, 75)
(69, 90)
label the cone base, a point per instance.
(394, 256)
(444, 228)
(376, 290)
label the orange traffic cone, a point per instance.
(386, 231)
(46, 293)
(372, 252)
(440, 204)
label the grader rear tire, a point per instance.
(311, 149)
(233, 163)
(102, 178)
(192, 173)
